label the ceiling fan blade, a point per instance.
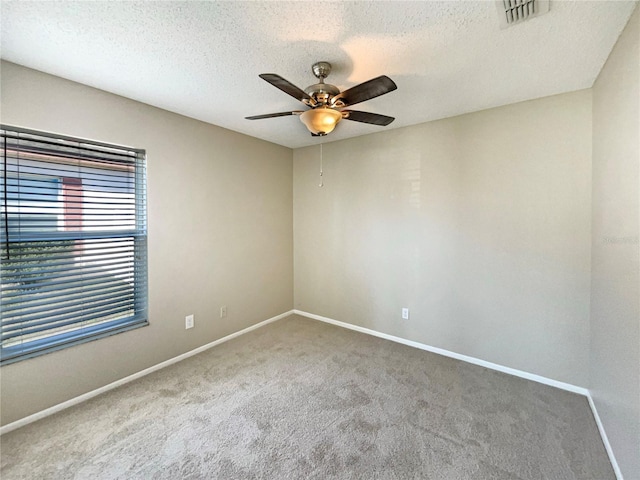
(271, 115)
(367, 90)
(366, 117)
(285, 85)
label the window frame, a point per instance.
(79, 333)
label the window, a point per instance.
(73, 242)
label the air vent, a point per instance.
(512, 12)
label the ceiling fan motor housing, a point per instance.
(322, 92)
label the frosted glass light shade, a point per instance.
(321, 120)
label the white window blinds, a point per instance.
(73, 242)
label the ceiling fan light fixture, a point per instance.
(321, 121)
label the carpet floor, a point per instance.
(300, 399)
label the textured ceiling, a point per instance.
(202, 59)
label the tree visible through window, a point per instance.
(73, 242)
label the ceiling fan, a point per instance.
(327, 102)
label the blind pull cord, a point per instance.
(5, 199)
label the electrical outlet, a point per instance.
(405, 314)
(223, 311)
(189, 322)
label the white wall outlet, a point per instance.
(223, 311)
(188, 322)
(405, 314)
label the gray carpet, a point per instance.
(300, 399)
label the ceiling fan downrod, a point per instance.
(321, 92)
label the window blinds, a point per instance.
(73, 242)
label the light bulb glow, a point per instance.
(321, 121)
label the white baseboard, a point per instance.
(605, 439)
(86, 396)
(447, 353)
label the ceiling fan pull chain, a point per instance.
(321, 179)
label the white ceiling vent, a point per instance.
(512, 12)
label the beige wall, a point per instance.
(480, 224)
(220, 233)
(615, 292)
